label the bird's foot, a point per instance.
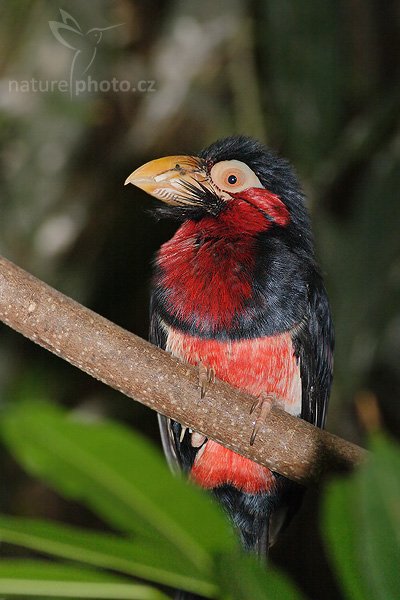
(262, 406)
(206, 376)
(196, 439)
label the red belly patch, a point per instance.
(261, 365)
(216, 465)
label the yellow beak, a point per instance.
(172, 179)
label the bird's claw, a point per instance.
(262, 405)
(206, 376)
(196, 439)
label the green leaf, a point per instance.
(154, 562)
(119, 475)
(340, 527)
(362, 524)
(38, 578)
(380, 491)
(243, 578)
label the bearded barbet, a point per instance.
(237, 291)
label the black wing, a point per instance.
(179, 452)
(158, 337)
(314, 344)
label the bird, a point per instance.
(237, 291)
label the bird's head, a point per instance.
(236, 183)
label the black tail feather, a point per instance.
(250, 515)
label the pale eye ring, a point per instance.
(233, 176)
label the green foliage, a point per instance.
(243, 578)
(179, 534)
(35, 578)
(362, 524)
(174, 535)
(180, 539)
(125, 481)
(123, 484)
(144, 558)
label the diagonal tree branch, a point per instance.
(151, 376)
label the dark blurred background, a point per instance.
(317, 81)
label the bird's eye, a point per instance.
(234, 176)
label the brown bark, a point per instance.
(149, 375)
